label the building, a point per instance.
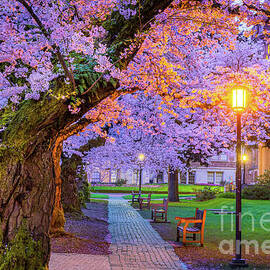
(263, 159)
(259, 159)
(221, 169)
(110, 176)
(250, 166)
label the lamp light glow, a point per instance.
(141, 157)
(244, 158)
(239, 98)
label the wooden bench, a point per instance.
(159, 211)
(198, 227)
(135, 197)
(145, 202)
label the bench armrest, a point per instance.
(193, 221)
(155, 206)
(178, 218)
(180, 222)
(188, 221)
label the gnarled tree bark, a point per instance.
(27, 170)
(70, 185)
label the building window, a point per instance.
(183, 178)
(219, 177)
(113, 176)
(214, 177)
(191, 177)
(95, 176)
(210, 177)
(160, 177)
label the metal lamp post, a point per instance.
(141, 158)
(244, 160)
(239, 105)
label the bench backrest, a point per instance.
(135, 193)
(165, 204)
(200, 214)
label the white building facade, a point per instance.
(221, 169)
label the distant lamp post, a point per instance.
(239, 98)
(141, 158)
(244, 160)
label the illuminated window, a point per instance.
(267, 51)
(210, 177)
(113, 176)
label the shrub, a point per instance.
(84, 193)
(228, 195)
(256, 192)
(120, 182)
(205, 194)
(264, 179)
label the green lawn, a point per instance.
(158, 196)
(221, 227)
(148, 188)
(252, 211)
(99, 196)
(99, 201)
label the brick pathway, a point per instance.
(72, 261)
(135, 244)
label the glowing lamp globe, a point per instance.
(141, 157)
(239, 95)
(244, 158)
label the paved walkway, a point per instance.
(135, 245)
(72, 261)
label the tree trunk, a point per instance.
(27, 197)
(27, 187)
(173, 194)
(70, 198)
(58, 219)
(27, 180)
(72, 182)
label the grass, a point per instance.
(158, 196)
(149, 188)
(221, 227)
(252, 211)
(99, 201)
(99, 196)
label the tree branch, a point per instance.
(60, 57)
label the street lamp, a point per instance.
(244, 160)
(239, 94)
(141, 158)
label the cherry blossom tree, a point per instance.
(48, 56)
(60, 59)
(176, 138)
